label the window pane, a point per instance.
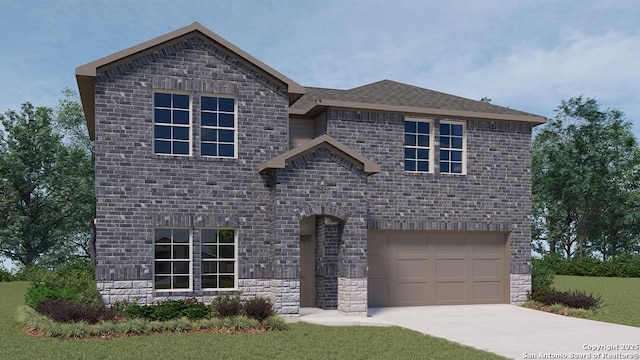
(226, 267)
(208, 235)
(163, 267)
(227, 104)
(410, 126)
(163, 251)
(180, 133)
(456, 143)
(209, 251)
(209, 267)
(181, 148)
(445, 141)
(225, 136)
(162, 282)
(409, 153)
(410, 140)
(209, 134)
(456, 168)
(445, 129)
(180, 117)
(180, 251)
(456, 130)
(209, 119)
(161, 100)
(180, 267)
(181, 101)
(226, 120)
(209, 149)
(209, 103)
(423, 166)
(444, 167)
(423, 154)
(163, 235)
(162, 132)
(409, 165)
(210, 281)
(226, 150)
(444, 155)
(181, 235)
(226, 252)
(226, 236)
(162, 147)
(226, 281)
(162, 116)
(423, 140)
(423, 127)
(180, 282)
(456, 155)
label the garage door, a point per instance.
(437, 268)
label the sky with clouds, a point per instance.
(527, 55)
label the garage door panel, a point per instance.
(487, 291)
(487, 267)
(450, 268)
(450, 292)
(429, 268)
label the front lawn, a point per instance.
(621, 296)
(302, 341)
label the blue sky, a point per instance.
(527, 55)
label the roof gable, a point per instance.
(280, 161)
(86, 74)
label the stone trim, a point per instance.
(520, 288)
(352, 296)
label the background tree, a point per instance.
(47, 198)
(585, 164)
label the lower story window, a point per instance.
(219, 259)
(172, 259)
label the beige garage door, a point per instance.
(437, 268)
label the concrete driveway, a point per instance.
(517, 332)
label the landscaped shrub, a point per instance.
(66, 311)
(572, 299)
(169, 310)
(258, 308)
(620, 266)
(6, 275)
(226, 305)
(541, 275)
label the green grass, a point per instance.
(621, 296)
(302, 341)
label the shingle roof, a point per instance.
(396, 94)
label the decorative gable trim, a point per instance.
(279, 162)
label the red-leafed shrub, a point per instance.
(258, 308)
(68, 311)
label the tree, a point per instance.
(585, 166)
(46, 184)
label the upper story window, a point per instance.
(417, 146)
(452, 148)
(171, 124)
(218, 126)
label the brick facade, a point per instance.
(138, 190)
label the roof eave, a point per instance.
(320, 104)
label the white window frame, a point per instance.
(235, 261)
(172, 260)
(430, 148)
(235, 125)
(463, 150)
(172, 125)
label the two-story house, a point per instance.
(217, 174)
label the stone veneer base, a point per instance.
(520, 288)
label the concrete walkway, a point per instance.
(507, 330)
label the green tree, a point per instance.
(46, 185)
(585, 164)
